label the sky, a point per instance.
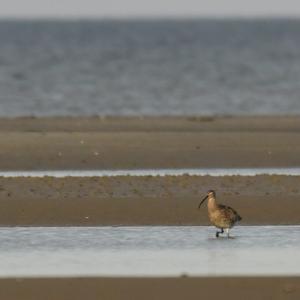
(147, 8)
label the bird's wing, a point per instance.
(230, 212)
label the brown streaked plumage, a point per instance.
(221, 216)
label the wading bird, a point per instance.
(221, 216)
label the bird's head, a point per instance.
(210, 193)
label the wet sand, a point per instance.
(151, 288)
(152, 124)
(129, 143)
(125, 200)
(133, 143)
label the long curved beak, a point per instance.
(202, 201)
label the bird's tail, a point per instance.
(239, 218)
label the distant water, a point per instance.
(149, 251)
(149, 68)
(155, 172)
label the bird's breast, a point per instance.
(219, 219)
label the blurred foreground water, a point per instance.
(148, 251)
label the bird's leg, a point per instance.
(227, 232)
(218, 232)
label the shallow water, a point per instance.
(155, 172)
(148, 251)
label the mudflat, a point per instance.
(150, 200)
(148, 142)
(152, 124)
(130, 143)
(151, 288)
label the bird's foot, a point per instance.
(218, 232)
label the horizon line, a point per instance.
(233, 17)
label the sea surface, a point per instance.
(149, 67)
(149, 251)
